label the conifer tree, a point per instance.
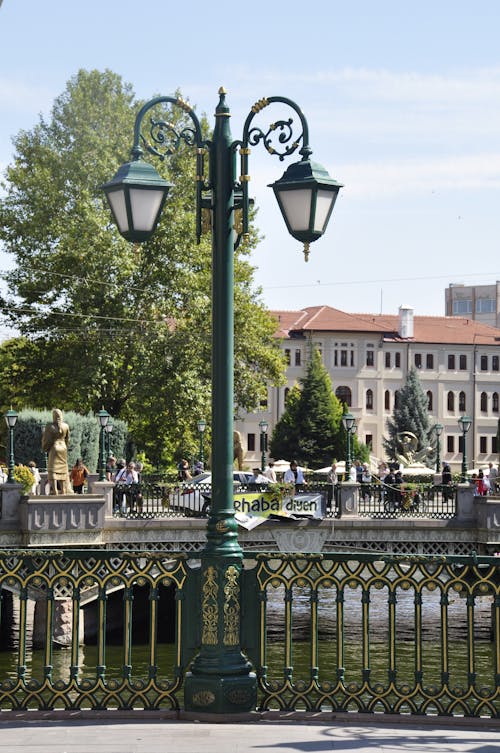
(410, 414)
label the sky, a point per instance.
(402, 101)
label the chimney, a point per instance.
(405, 322)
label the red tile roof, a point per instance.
(427, 329)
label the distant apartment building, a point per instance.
(368, 357)
(478, 302)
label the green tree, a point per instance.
(112, 324)
(410, 414)
(310, 428)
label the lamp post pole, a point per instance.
(202, 425)
(109, 429)
(438, 428)
(221, 680)
(103, 417)
(263, 425)
(349, 424)
(465, 423)
(11, 419)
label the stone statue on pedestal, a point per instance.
(55, 441)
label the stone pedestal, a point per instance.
(349, 496)
(11, 497)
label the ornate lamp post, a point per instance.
(11, 419)
(109, 429)
(220, 680)
(103, 417)
(438, 429)
(202, 425)
(465, 423)
(349, 424)
(263, 425)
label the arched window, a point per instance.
(369, 399)
(287, 392)
(451, 402)
(387, 400)
(344, 395)
(484, 402)
(429, 400)
(461, 402)
(494, 402)
(396, 399)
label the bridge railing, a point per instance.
(325, 632)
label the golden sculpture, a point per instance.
(238, 452)
(55, 440)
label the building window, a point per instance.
(263, 403)
(462, 307)
(429, 361)
(429, 400)
(451, 402)
(369, 440)
(461, 444)
(494, 363)
(485, 306)
(287, 392)
(463, 363)
(450, 443)
(494, 402)
(418, 360)
(451, 362)
(370, 358)
(461, 402)
(369, 399)
(297, 356)
(250, 442)
(387, 400)
(484, 402)
(343, 357)
(396, 399)
(483, 445)
(387, 360)
(344, 395)
(287, 356)
(397, 360)
(484, 363)
(335, 358)
(494, 445)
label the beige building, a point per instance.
(478, 302)
(368, 357)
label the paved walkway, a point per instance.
(174, 736)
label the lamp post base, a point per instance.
(220, 695)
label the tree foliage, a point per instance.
(103, 322)
(310, 428)
(410, 414)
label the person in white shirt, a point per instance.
(294, 474)
(258, 477)
(127, 475)
(270, 473)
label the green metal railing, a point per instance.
(416, 635)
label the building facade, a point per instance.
(368, 357)
(478, 302)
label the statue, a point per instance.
(238, 452)
(409, 455)
(55, 440)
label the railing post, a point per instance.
(349, 499)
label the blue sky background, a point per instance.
(402, 101)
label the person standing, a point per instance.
(270, 473)
(79, 474)
(35, 489)
(493, 476)
(294, 475)
(127, 476)
(333, 479)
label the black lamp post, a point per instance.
(202, 425)
(465, 423)
(438, 429)
(103, 417)
(221, 680)
(349, 424)
(109, 429)
(263, 425)
(11, 419)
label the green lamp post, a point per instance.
(349, 424)
(221, 680)
(263, 426)
(103, 417)
(202, 425)
(438, 429)
(11, 419)
(465, 423)
(109, 430)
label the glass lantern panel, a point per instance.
(323, 203)
(145, 206)
(297, 207)
(118, 207)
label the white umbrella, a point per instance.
(340, 467)
(280, 466)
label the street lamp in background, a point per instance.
(202, 425)
(103, 417)
(465, 423)
(263, 426)
(349, 424)
(109, 430)
(438, 430)
(11, 419)
(221, 680)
